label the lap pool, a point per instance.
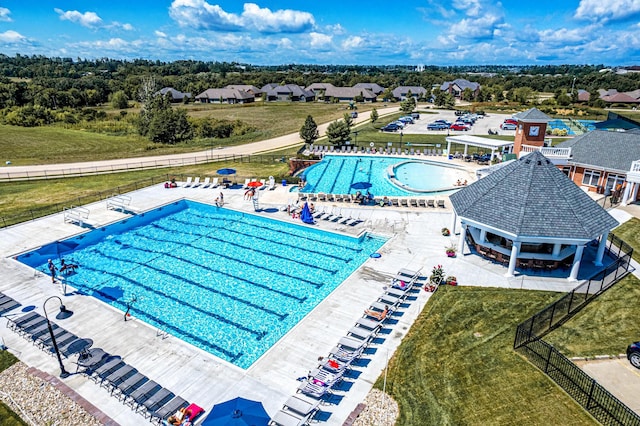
(227, 282)
(390, 176)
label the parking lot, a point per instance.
(480, 128)
(618, 377)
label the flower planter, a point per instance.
(451, 254)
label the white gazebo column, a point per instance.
(454, 220)
(463, 234)
(448, 146)
(493, 153)
(576, 263)
(515, 251)
(465, 149)
(483, 235)
(627, 191)
(601, 247)
(556, 250)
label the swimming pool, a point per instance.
(565, 124)
(335, 174)
(227, 282)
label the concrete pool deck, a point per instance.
(415, 243)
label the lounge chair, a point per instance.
(377, 314)
(169, 408)
(188, 182)
(246, 183)
(351, 344)
(264, 184)
(441, 203)
(196, 182)
(302, 406)
(345, 355)
(156, 401)
(362, 333)
(130, 384)
(431, 203)
(118, 376)
(422, 202)
(214, 183)
(335, 365)
(141, 394)
(272, 183)
(403, 202)
(323, 377)
(315, 391)
(7, 304)
(106, 369)
(207, 182)
(288, 418)
(394, 202)
(322, 196)
(369, 324)
(413, 202)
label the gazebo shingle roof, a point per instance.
(532, 198)
(533, 115)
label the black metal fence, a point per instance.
(601, 404)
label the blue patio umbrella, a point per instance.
(57, 248)
(361, 185)
(305, 214)
(226, 171)
(237, 412)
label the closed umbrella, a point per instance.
(237, 412)
(305, 214)
(361, 185)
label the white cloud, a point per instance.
(199, 14)
(4, 14)
(336, 29)
(476, 28)
(160, 34)
(320, 40)
(469, 7)
(118, 26)
(607, 10)
(87, 19)
(11, 36)
(353, 42)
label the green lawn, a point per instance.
(8, 417)
(604, 327)
(457, 365)
(630, 233)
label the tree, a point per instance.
(374, 115)
(119, 100)
(467, 94)
(338, 133)
(161, 123)
(309, 131)
(408, 105)
(348, 120)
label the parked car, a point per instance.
(447, 122)
(406, 120)
(437, 126)
(354, 114)
(633, 354)
(511, 120)
(391, 127)
(400, 124)
(415, 115)
(460, 126)
(508, 126)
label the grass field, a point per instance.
(457, 365)
(630, 233)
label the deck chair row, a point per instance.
(298, 410)
(195, 183)
(34, 328)
(348, 149)
(133, 388)
(351, 198)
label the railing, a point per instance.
(7, 174)
(601, 404)
(547, 151)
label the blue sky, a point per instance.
(366, 32)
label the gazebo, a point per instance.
(485, 143)
(530, 214)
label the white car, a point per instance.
(508, 126)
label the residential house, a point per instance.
(249, 88)
(288, 92)
(374, 88)
(349, 94)
(583, 95)
(612, 96)
(176, 95)
(225, 96)
(401, 92)
(457, 86)
(319, 88)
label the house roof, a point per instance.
(319, 86)
(373, 87)
(290, 89)
(605, 150)
(533, 115)
(348, 92)
(225, 94)
(620, 98)
(175, 94)
(583, 95)
(400, 91)
(533, 198)
(249, 88)
(461, 83)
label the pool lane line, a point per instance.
(326, 166)
(289, 259)
(333, 185)
(292, 234)
(202, 236)
(142, 314)
(188, 281)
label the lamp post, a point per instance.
(355, 132)
(64, 313)
(401, 135)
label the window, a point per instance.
(566, 170)
(614, 180)
(591, 177)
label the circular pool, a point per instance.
(422, 176)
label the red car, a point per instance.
(511, 121)
(458, 126)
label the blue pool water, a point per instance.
(227, 282)
(335, 174)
